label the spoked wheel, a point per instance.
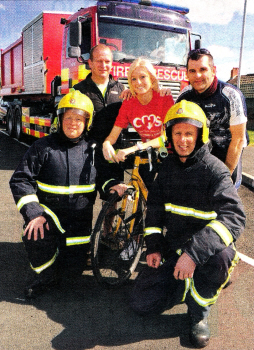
(117, 239)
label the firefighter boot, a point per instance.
(41, 283)
(199, 332)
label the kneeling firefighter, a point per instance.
(54, 189)
(194, 199)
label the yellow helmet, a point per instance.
(77, 100)
(190, 113)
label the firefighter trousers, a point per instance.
(156, 290)
(59, 250)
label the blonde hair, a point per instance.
(141, 62)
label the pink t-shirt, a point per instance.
(146, 119)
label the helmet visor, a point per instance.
(78, 111)
(194, 122)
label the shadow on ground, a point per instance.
(91, 316)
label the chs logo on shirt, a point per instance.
(149, 121)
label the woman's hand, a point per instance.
(109, 152)
(121, 155)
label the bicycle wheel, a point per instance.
(117, 238)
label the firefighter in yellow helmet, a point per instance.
(79, 104)
(189, 113)
(54, 189)
(194, 199)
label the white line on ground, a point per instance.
(246, 259)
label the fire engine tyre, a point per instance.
(9, 121)
(17, 123)
(115, 251)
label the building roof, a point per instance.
(246, 84)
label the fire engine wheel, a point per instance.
(9, 121)
(17, 123)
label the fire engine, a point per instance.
(52, 54)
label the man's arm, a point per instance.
(24, 187)
(229, 223)
(35, 229)
(235, 146)
(155, 143)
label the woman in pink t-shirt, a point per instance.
(146, 111)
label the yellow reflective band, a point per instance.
(82, 72)
(205, 302)
(66, 189)
(150, 230)
(74, 82)
(222, 231)
(202, 301)
(106, 184)
(54, 218)
(187, 287)
(204, 215)
(65, 74)
(27, 199)
(161, 141)
(46, 265)
(77, 240)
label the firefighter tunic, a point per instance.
(198, 206)
(56, 179)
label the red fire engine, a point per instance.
(52, 53)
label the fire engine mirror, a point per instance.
(75, 33)
(197, 44)
(74, 51)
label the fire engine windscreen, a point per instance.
(160, 46)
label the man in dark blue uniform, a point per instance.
(224, 106)
(105, 93)
(54, 189)
(194, 199)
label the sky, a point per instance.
(219, 22)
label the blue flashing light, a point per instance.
(159, 3)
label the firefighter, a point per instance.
(54, 189)
(194, 199)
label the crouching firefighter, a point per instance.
(54, 189)
(194, 199)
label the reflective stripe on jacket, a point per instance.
(197, 204)
(57, 174)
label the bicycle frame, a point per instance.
(117, 239)
(136, 184)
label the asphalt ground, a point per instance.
(79, 314)
(248, 166)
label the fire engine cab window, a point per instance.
(86, 40)
(159, 46)
(85, 43)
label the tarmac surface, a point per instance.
(80, 315)
(248, 166)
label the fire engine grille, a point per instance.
(174, 86)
